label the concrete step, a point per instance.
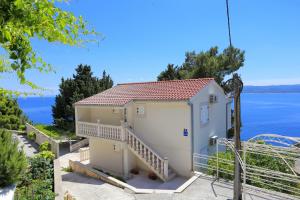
(171, 174)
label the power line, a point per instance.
(228, 23)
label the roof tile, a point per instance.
(159, 90)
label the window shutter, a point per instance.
(204, 112)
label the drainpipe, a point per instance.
(192, 133)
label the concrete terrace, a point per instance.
(203, 188)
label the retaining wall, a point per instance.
(41, 138)
(83, 169)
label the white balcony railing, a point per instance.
(84, 154)
(87, 129)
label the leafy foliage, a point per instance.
(45, 146)
(82, 85)
(21, 20)
(31, 135)
(13, 161)
(49, 155)
(55, 132)
(11, 116)
(205, 64)
(37, 190)
(41, 168)
(38, 181)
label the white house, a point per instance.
(153, 126)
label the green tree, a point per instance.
(82, 85)
(13, 161)
(11, 116)
(171, 73)
(22, 20)
(38, 181)
(205, 64)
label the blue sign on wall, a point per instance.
(185, 132)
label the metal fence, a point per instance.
(275, 168)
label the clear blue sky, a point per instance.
(143, 36)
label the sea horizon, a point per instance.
(276, 113)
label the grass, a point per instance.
(67, 169)
(55, 132)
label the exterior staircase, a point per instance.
(148, 156)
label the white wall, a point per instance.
(103, 156)
(217, 118)
(162, 127)
(104, 114)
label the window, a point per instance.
(140, 110)
(125, 115)
(204, 114)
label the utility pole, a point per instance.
(237, 195)
(234, 86)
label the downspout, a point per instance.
(226, 119)
(229, 102)
(192, 134)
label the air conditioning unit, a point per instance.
(212, 98)
(213, 140)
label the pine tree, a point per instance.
(13, 163)
(11, 116)
(82, 85)
(205, 64)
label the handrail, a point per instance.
(77, 145)
(148, 155)
(100, 130)
(96, 124)
(131, 133)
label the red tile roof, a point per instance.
(161, 90)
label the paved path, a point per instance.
(204, 188)
(30, 148)
(85, 188)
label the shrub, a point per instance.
(226, 167)
(39, 190)
(49, 155)
(31, 135)
(22, 127)
(13, 161)
(45, 146)
(41, 168)
(152, 176)
(67, 169)
(38, 181)
(134, 171)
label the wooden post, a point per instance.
(235, 86)
(237, 141)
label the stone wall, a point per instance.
(41, 138)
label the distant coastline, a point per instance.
(272, 89)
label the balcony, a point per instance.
(87, 129)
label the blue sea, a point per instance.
(277, 113)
